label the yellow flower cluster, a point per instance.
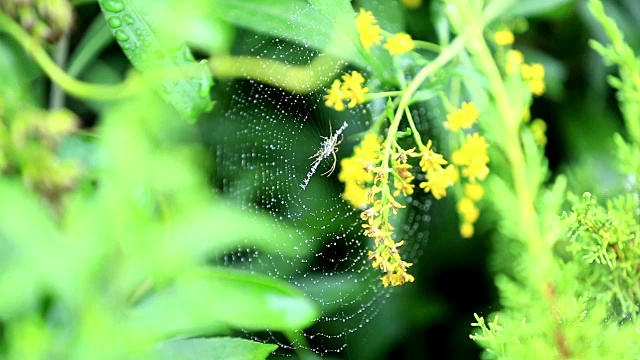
(463, 118)
(350, 89)
(472, 158)
(399, 44)
(503, 37)
(438, 177)
(534, 75)
(368, 28)
(366, 179)
(371, 34)
(467, 209)
(539, 129)
(354, 171)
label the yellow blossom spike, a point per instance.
(468, 210)
(474, 149)
(476, 170)
(466, 230)
(503, 37)
(539, 129)
(534, 74)
(353, 174)
(353, 87)
(430, 159)
(370, 32)
(399, 44)
(335, 95)
(473, 191)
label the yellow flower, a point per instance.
(430, 159)
(370, 32)
(534, 74)
(466, 230)
(351, 89)
(353, 174)
(399, 277)
(503, 37)
(462, 118)
(399, 44)
(468, 210)
(473, 155)
(404, 155)
(474, 149)
(476, 170)
(355, 194)
(514, 60)
(334, 96)
(439, 180)
(370, 144)
(403, 186)
(539, 129)
(473, 191)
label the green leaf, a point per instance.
(222, 226)
(327, 27)
(28, 242)
(208, 300)
(223, 348)
(153, 52)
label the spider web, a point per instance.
(262, 138)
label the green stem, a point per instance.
(427, 46)
(70, 85)
(299, 79)
(445, 56)
(56, 96)
(382, 95)
(414, 130)
(512, 146)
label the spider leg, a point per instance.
(333, 167)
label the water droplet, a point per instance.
(115, 6)
(115, 22)
(121, 35)
(128, 19)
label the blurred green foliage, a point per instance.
(108, 225)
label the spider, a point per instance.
(329, 146)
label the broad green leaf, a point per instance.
(318, 25)
(207, 300)
(222, 226)
(152, 52)
(223, 348)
